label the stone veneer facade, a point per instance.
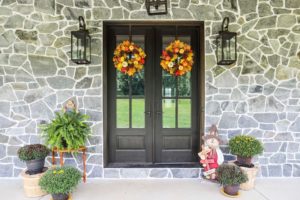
(258, 96)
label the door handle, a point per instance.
(159, 112)
(148, 113)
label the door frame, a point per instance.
(201, 72)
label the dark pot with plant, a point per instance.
(68, 130)
(60, 182)
(230, 177)
(34, 156)
(245, 147)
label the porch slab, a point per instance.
(176, 189)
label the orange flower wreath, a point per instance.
(177, 58)
(129, 58)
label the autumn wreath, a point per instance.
(129, 58)
(177, 58)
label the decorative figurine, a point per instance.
(211, 156)
(70, 106)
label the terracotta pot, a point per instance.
(35, 166)
(246, 161)
(232, 190)
(60, 196)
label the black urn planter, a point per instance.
(35, 166)
(60, 196)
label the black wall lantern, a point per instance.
(226, 45)
(81, 44)
(157, 7)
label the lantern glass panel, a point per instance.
(228, 46)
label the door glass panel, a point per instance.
(122, 113)
(184, 85)
(137, 84)
(169, 113)
(122, 85)
(184, 113)
(138, 113)
(169, 85)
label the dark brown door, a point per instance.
(153, 116)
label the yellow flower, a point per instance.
(180, 67)
(181, 51)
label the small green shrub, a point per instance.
(229, 174)
(245, 146)
(33, 152)
(68, 130)
(61, 180)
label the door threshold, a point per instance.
(151, 165)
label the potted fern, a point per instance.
(245, 147)
(59, 182)
(34, 156)
(230, 177)
(68, 130)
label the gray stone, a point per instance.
(213, 108)
(295, 126)
(284, 137)
(84, 83)
(94, 115)
(278, 158)
(179, 13)
(292, 3)
(255, 89)
(159, 173)
(39, 110)
(204, 12)
(276, 3)
(257, 104)
(247, 122)
(117, 13)
(15, 21)
(241, 108)
(7, 38)
(264, 10)
(274, 60)
(111, 173)
(266, 117)
(73, 13)
(95, 160)
(228, 120)
(296, 171)
(83, 3)
(42, 66)
(247, 6)
(134, 173)
(5, 108)
(271, 146)
(62, 42)
(92, 103)
(97, 171)
(112, 3)
(251, 67)
(130, 5)
(286, 21)
(185, 173)
(7, 93)
(288, 84)
(248, 43)
(6, 170)
(22, 110)
(282, 94)
(266, 23)
(101, 13)
(287, 170)
(2, 151)
(293, 147)
(275, 170)
(34, 95)
(80, 72)
(45, 6)
(273, 105)
(47, 27)
(226, 80)
(60, 82)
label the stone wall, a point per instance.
(258, 96)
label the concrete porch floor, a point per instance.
(96, 189)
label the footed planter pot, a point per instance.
(231, 190)
(251, 173)
(31, 184)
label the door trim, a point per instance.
(201, 73)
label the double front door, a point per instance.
(153, 117)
